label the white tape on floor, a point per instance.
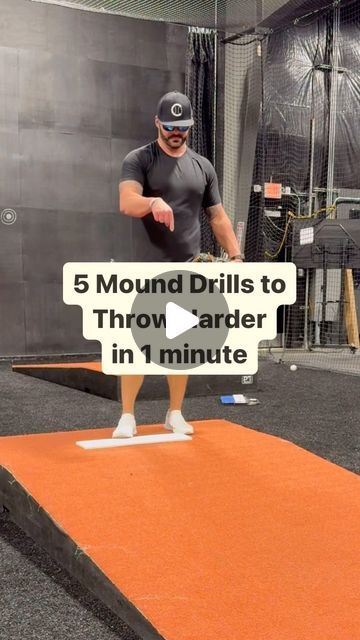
(126, 442)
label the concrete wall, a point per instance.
(78, 90)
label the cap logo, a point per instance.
(177, 110)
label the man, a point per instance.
(165, 184)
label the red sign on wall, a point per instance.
(273, 190)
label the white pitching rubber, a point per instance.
(127, 442)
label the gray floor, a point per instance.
(317, 410)
(338, 360)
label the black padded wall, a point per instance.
(78, 91)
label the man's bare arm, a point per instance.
(223, 230)
(133, 203)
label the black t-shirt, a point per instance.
(186, 184)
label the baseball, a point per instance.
(293, 367)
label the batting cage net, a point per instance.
(275, 90)
(291, 179)
(227, 15)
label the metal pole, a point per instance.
(333, 105)
(293, 193)
(306, 319)
(215, 82)
(310, 209)
(334, 277)
(312, 155)
(324, 299)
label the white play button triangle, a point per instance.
(178, 320)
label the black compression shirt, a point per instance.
(186, 184)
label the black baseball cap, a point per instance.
(174, 109)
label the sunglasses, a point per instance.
(169, 128)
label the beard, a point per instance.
(174, 141)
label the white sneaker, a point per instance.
(176, 423)
(126, 427)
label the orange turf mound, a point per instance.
(234, 535)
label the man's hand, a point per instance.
(163, 213)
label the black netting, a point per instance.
(183, 12)
(200, 87)
(229, 15)
(291, 173)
